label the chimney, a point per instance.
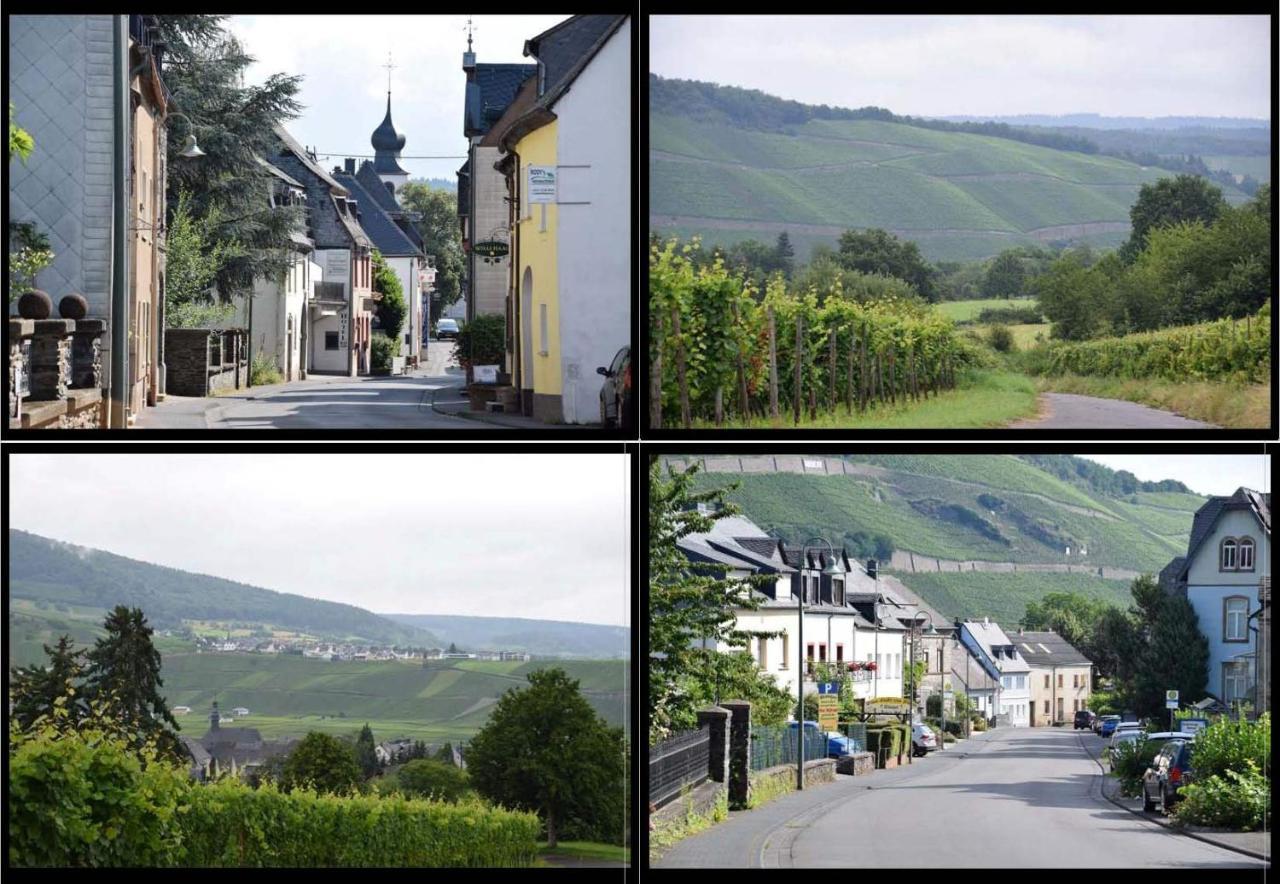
(350, 165)
(986, 621)
(872, 565)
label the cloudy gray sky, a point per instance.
(1203, 473)
(544, 536)
(940, 65)
(345, 84)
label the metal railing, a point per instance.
(775, 745)
(680, 762)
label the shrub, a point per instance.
(321, 762)
(264, 370)
(1228, 745)
(1000, 338)
(1130, 761)
(383, 350)
(392, 308)
(482, 341)
(1015, 315)
(1234, 800)
(427, 778)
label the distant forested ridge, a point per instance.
(1098, 121)
(43, 569)
(448, 184)
(1099, 478)
(549, 637)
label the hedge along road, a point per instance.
(1011, 798)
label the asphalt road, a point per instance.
(1011, 798)
(1069, 411)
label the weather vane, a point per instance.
(388, 66)
(469, 29)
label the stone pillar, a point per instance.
(86, 354)
(716, 719)
(739, 752)
(20, 331)
(51, 358)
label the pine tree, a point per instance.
(366, 755)
(784, 255)
(124, 670)
(35, 689)
(203, 69)
(1175, 656)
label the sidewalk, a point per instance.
(1254, 844)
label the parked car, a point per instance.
(615, 392)
(1121, 735)
(839, 744)
(1108, 725)
(1168, 773)
(1084, 719)
(446, 328)
(923, 739)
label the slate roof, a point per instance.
(199, 755)
(383, 232)
(566, 49)
(1048, 649)
(278, 173)
(989, 635)
(367, 175)
(327, 225)
(1207, 516)
(489, 92)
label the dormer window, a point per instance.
(1246, 554)
(1228, 555)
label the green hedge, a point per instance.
(85, 800)
(888, 740)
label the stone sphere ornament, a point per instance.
(35, 304)
(73, 306)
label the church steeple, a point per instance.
(387, 144)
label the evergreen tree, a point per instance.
(689, 603)
(444, 753)
(203, 69)
(124, 670)
(1174, 655)
(35, 689)
(453, 649)
(366, 756)
(545, 749)
(784, 255)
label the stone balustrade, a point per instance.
(55, 373)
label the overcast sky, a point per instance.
(955, 65)
(1203, 473)
(344, 89)
(544, 536)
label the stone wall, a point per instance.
(203, 362)
(816, 772)
(858, 764)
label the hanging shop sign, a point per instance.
(542, 184)
(491, 250)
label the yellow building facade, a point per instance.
(536, 275)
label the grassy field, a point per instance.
(967, 189)
(1004, 597)
(983, 399)
(1220, 403)
(588, 850)
(967, 311)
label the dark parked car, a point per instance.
(615, 392)
(446, 328)
(1084, 719)
(1169, 772)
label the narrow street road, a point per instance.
(328, 402)
(1061, 411)
(1011, 798)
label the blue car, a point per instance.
(837, 744)
(1109, 723)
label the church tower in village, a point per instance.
(387, 144)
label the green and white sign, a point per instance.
(491, 249)
(1171, 699)
(542, 184)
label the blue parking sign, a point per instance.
(828, 687)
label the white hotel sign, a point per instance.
(542, 184)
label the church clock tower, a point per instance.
(387, 144)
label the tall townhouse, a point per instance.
(1061, 677)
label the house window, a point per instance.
(1246, 554)
(1228, 555)
(839, 653)
(542, 329)
(1234, 682)
(1046, 682)
(1075, 680)
(837, 591)
(1046, 707)
(786, 650)
(764, 653)
(1059, 679)
(1235, 618)
(926, 661)
(331, 340)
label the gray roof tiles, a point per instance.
(1207, 516)
(1048, 649)
(488, 95)
(383, 232)
(566, 49)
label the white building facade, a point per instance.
(993, 650)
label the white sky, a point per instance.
(1203, 473)
(941, 65)
(544, 536)
(344, 89)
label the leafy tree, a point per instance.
(1074, 298)
(1171, 201)
(1175, 655)
(545, 749)
(784, 255)
(427, 778)
(322, 762)
(193, 257)
(392, 309)
(124, 667)
(878, 251)
(437, 224)
(690, 604)
(204, 68)
(20, 140)
(1005, 277)
(366, 754)
(34, 690)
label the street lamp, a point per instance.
(190, 150)
(829, 570)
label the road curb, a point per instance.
(1165, 825)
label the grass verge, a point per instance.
(1221, 403)
(587, 850)
(668, 833)
(983, 399)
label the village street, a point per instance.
(423, 398)
(1011, 797)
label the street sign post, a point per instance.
(828, 712)
(1171, 703)
(828, 687)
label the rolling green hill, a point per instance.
(41, 569)
(1000, 509)
(549, 637)
(961, 196)
(290, 695)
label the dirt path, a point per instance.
(1070, 411)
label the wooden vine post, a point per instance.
(773, 368)
(831, 372)
(798, 392)
(686, 418)
(742, 371)
(862, 372)
(848, 386)
(655, 393)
